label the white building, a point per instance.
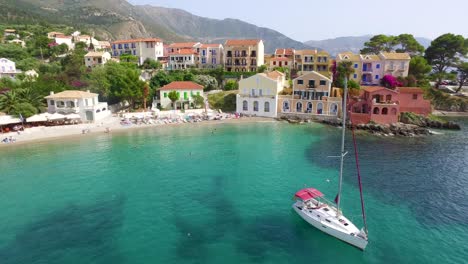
(186, 91)
(62, 39)
(182, 59)
(8, 68)
(148, 48)
(85, 104)
(258, 94)
(96, 58)
(18, 42)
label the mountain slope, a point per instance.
(354, 44)
(118, 19)
(213, 30)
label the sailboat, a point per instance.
(327, 216)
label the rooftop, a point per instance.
(395, 56)
(182, 85)
(95, 54)
(183, 44)
(71, 94)
(242, 42)
(183, 52)
(411, 90)
(137, 40)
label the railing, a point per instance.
(311, 86)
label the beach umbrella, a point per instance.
(73, 116)
(37, 118)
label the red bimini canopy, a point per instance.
(308, 193)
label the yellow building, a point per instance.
(312, 60)
(244, 55)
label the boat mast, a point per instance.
(343, 132)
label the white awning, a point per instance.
(37, 118)
(73, 116)
(7, 119)
(55, 116)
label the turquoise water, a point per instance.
(222, 193)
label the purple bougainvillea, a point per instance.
(390, 81)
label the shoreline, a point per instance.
(449, 114)
(48, 134)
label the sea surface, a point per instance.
(222, 193)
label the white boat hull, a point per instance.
(350, 238)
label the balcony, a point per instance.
(312, 86)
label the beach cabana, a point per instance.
(8, 120)
(55, 117)
(73, 116)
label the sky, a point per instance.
(316, 20)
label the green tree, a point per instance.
(174, 97)
(8, 101)
(28, 64)
(99, 82)
(33, 98)
(146, 92)
(443, 53)
(208, 82)
(151, 64)
(231, 85)
(419, 68)
(198, 100)
(160, 79)
(462, 70)
(409, 44)
(379, 43)
(262, 68)
(129, 58)
(340, 71)
(13, 52)
(25, 109)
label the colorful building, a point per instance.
(243, 55)
(8, 68)
(312, 60)
(282, 58)
(369, 69)
(210, 55)
(145, 48)
(311, 97)
(258, 94)
(186, 91)
(382, 105)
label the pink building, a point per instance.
(383, 106)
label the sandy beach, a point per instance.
(111, 124)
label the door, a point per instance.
(89, 115)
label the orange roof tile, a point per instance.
(274, 74)
(372, 89)
(281, 59)
(183, 52)
(284, 51)
(410, 90)
(182, 85)
(183, 45)
(63, 36)
(214, 45)
(242, 42)
(137, 40)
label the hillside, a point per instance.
(118, 19)
(354, 44)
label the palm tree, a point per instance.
(28, 95)
(8, 101)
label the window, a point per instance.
(355, 76)
(260, 92)
(126, 46)
(298, 107)
(133, 45)
(300, 81)
(120, 46)
(267, 107)
(355, 65)
(60, 104)
(311, 84)
(185, 95)
(274, 62)
(165, 95)
(377, 77)
(323, 82)
(253, 92)
(255, 106)
(113, 46)
(415, 96)
(213, 61)
(384, 111)
(245, 106)
(377, 66)
(134, 52)
(52, 102)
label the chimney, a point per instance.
(87, 91)
(51, 92)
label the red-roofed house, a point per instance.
(244, 55)
(186, 91)
(382, 105)
(182, 58)
(143, 48)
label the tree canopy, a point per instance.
(401, 43)
(444, 52)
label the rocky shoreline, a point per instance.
(412, 125)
